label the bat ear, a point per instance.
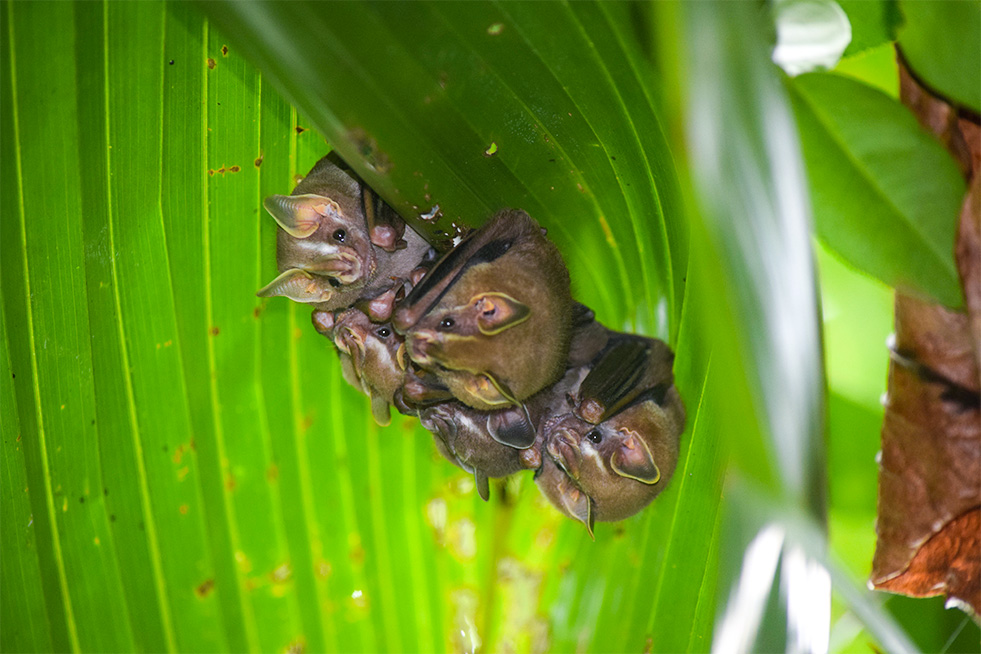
(511, 427)
(300, 215)
(497, 312)
(400, 357)
(299, 286)
(633, 460)
(488, 390)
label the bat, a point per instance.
(372, 356)
(492, 320)
(462, 436)
(338, 242)
(613, 464)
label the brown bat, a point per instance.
(463, 437)
(492, 320)
(339, 242)
(510, 427)
(473, 440)
(372, 356)
(611, 469)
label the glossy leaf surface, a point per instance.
(940, 41)
(198, 476)
(873, 204)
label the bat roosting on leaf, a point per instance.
(492, 320)
(338, 242)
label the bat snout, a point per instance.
(563, 448)
(421, 345)
(350, 341)
(345, 267)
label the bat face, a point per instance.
(493, 319)
(622, 463)
(372, 358)
(324, 250)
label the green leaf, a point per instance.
(941, 41)
(198, 474)
(886, 195)
(873, 22)
(577, 142)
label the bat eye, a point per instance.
(333, 282)
(384, 332)
(595, 436)
(447, 323)
(339, 235)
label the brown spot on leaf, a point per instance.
(272, 473)
(179, 453)
(224, 51)
(357, 554)
(300, 130)
(214, 331)
(258, 161)
(205, 588)
(211, 63)
(257, 311)
(306, 423)
(230, 482)
(234, 169)
(183, 509)
(211, 172)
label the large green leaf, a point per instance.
(198, 476)
(886, 195)
(557, 95)
(940, 41)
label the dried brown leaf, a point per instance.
(929, 509)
